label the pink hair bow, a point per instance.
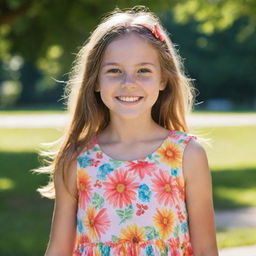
(156, 32)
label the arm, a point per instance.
(199, 200)
(63, 228)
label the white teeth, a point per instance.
(128, 99)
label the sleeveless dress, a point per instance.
(133, 208)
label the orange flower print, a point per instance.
(120, 190)
(180, 214)
(170, 154)
(164, 222)
(132, 234)
(160, 245)
(180, 186)
(142, 168)
(97, 224)
(82, 240)
(165, 188)
(84, 187)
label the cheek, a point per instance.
(108, 82)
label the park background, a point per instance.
(38, 44)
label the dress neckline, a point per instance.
(133, 160)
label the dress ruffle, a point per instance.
(156, 247)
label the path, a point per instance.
(58, 120)
(239, 218)
(239, 251)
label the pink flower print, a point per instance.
(165, 188)
(142, 168)
(120, 190)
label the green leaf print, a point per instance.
(125, 214)
(176, 231)
(150, 157)
(114, 239)
(151, 232)
(95, 149)
(154, 157)
(115, 163)
(164, 254)
(97, 201)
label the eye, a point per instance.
(144, 70)
(114, 70)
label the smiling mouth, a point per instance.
(129, 99)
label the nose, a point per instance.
(129, 81)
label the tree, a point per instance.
(40, 25)
(48, 33)
(218, 15)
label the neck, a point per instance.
(131, 130)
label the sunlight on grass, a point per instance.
(25, 140)
(230, 147)
(6, 184)
(236, 237)
(243, 196)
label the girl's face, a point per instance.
(130, 77)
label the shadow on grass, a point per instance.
(25, 217)
(234, 188)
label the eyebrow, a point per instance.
(139, 64)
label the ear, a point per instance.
(162, 85)
(97, 88)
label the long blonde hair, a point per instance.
(88, 114)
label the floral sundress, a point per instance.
(133, 208)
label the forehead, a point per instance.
(130, 48)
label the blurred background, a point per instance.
(38, 43)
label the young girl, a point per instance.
(128, 179)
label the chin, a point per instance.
(130, 115)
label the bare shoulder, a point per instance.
(194, 149)
(66, 183)
(195, 160)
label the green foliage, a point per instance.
(221, 66)
(217, 15)
(57, 27)
(48, 34)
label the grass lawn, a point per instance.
(31, 110)
(230, 147)
(25, 217)
(236, 237)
